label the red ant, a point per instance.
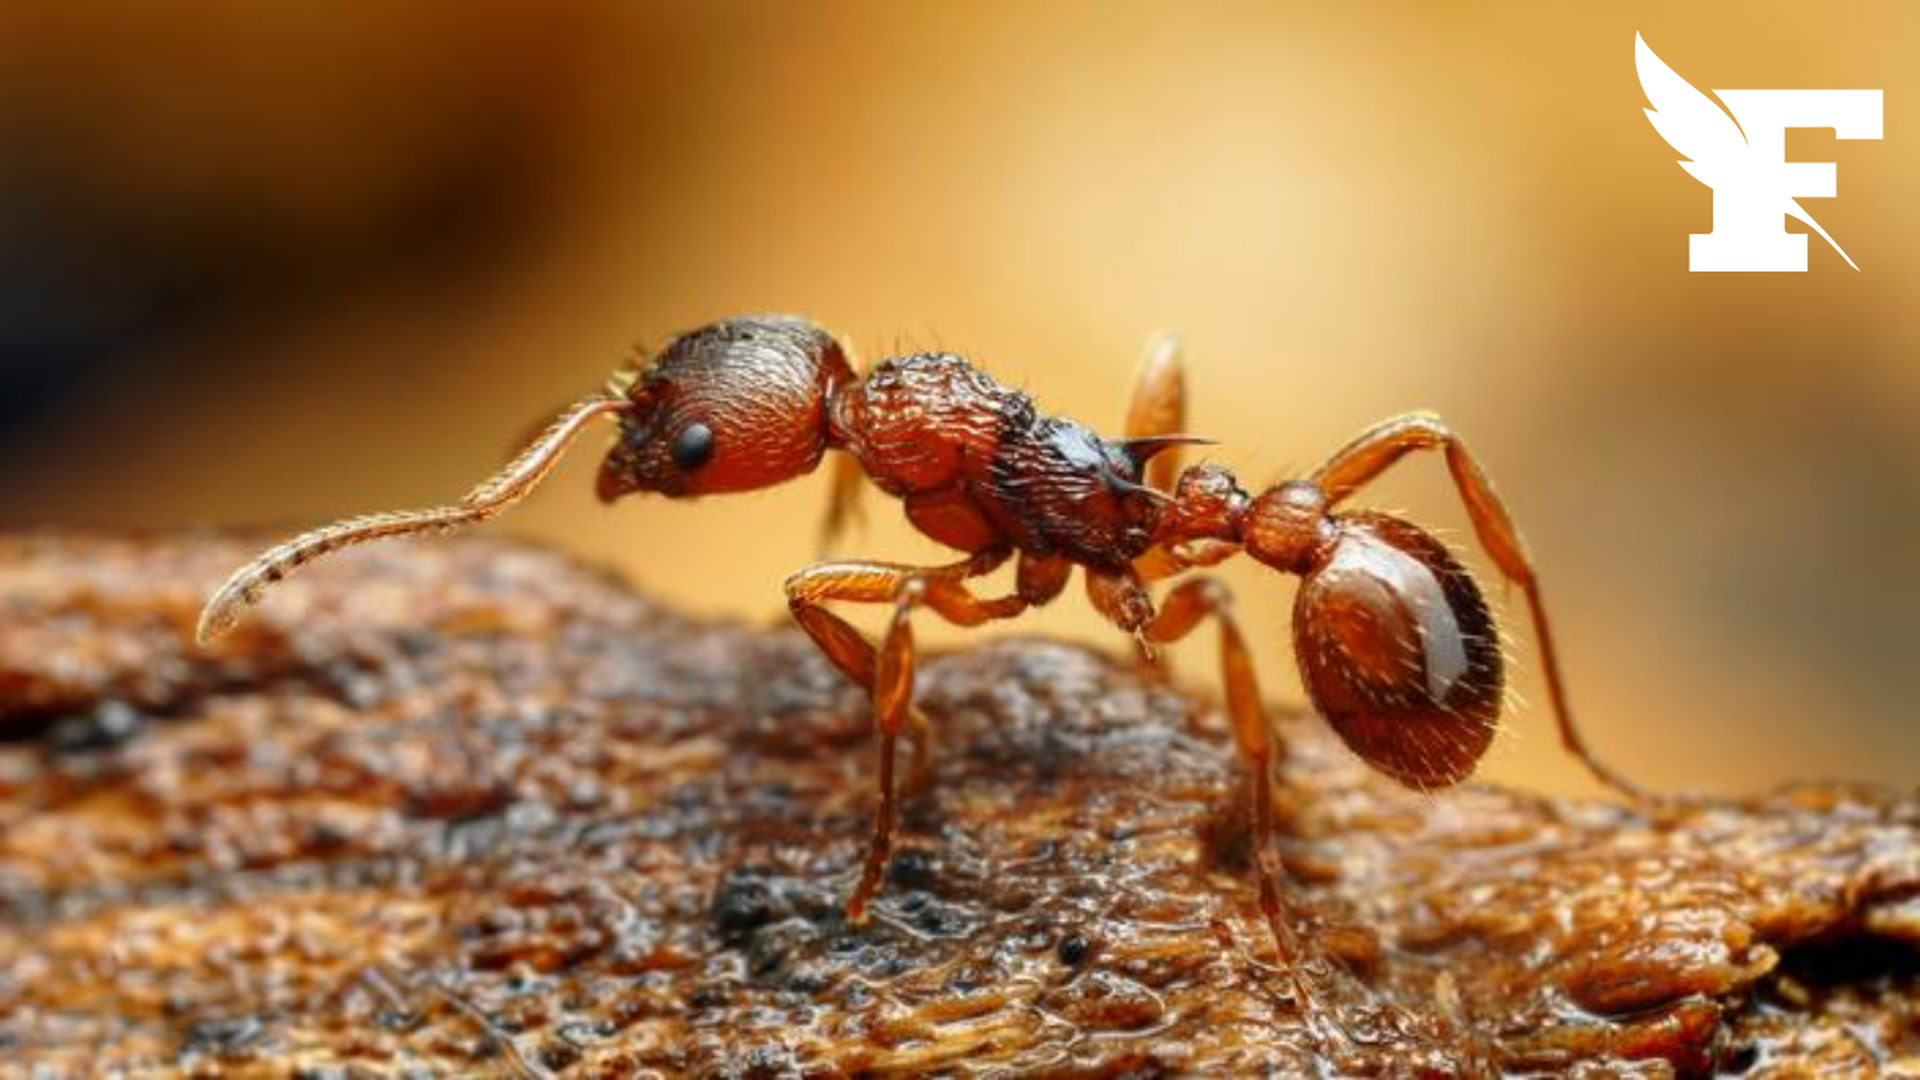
(1395, 644)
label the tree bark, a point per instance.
(468, 808)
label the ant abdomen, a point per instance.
(1399, 652)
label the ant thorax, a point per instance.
(980, 466)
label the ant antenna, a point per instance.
(499, 491)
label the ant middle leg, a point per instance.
(1377, 449)
(1180, 613)
(887, 672)
(1159, 406)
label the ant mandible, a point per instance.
(1396, 647)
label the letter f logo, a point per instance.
(1745, 163)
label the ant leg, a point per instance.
(1038, 581)
(1376, 449)
(1157, 414)
(1159, 406)
(892, 696)
(887, 672)
(920, 738)
(843, 500)
(1156, 406)
(1179, 614)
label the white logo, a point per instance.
(1745, 163)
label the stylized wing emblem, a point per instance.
(1696, 126)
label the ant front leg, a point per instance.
(887, 673)
(843, 500)
(1376, 449)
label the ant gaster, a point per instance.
(1396, 647)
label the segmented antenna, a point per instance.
(499, 491)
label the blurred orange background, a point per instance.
(284, 263)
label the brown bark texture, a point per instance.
(465, 807)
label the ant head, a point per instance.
(736, 405)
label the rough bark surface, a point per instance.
(467, 808)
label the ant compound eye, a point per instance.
(693, 447)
